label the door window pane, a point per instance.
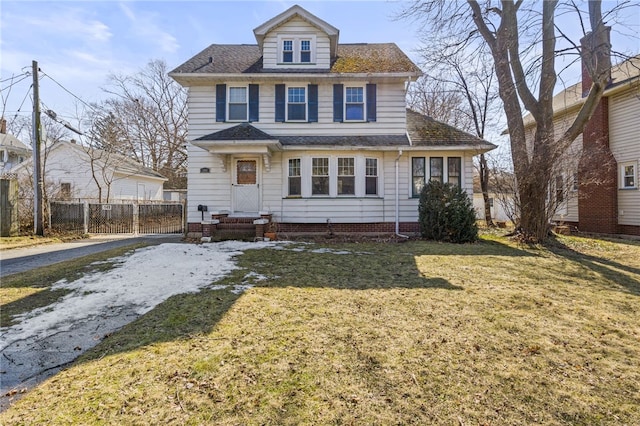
(246, 172)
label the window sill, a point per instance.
(628, 188)
(295, 63)
(339, 197)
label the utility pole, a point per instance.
(38, 227)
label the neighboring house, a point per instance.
(12, 151)
(501, 199)
(74, 172)
(596, 186)
(313, 132)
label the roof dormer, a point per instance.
(297, 39)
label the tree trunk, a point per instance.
(484, 186)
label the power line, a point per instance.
(22, 103)
(15, 76)
(68, 91)
(14, 83)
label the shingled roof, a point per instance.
(351, 58)
(425, 131)
(241, 132)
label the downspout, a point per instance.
(398, 195)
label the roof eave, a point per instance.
(187, 79)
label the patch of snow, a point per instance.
(139, 281)
(241, 288)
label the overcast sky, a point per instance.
(78, 43)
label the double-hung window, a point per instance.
(295, 177)
(346, 176)
(354, 103)
(435, 169)
(371, 176)
(417, 175)
(238, 104)
(320, 176)
(296, 104)
(628, 175)
(287, 50)
(454, 165)
(305, 51)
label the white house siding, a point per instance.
(214, 189)
(293, 28)
(66, 164)
(391, 112)
(624, 139)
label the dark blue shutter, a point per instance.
(280, 102)
(254, 96)
(313, 103)
(221, 102)
(338, 104)
(371, 102)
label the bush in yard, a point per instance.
(446, 214)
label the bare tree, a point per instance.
(150, 111)
(521, 38)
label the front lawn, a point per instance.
(371, 333)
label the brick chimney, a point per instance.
(598, 169)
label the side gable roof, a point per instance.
(425, 131)
(296, 11)
(13, 144)
(121, 164)
(247, 59)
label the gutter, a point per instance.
(398, 196)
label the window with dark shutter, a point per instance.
(337, 102)
(280, 102)
(221, 102)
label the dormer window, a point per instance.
(287, 51)
(296, 50)
(305, 51)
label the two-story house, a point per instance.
(313, 132)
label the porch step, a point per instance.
(236, 228)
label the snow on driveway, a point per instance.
(102, 302)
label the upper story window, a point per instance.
(305, 50)
(354, 103)
(296, 104)
(296, 50)
(287, 51)
(238, 104)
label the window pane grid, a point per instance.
(346, 167)
(237, 103)
(297, 94)
(435, 168)
(629, 175)
(354, 103)
(418, 175)
(372, 167)
(371, 176)
(454, 165)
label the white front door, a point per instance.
(246, 188)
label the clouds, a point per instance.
(146, 27)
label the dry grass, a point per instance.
(412, 333)
(7, 243)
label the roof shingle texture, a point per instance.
(425, 131)
(247, 59)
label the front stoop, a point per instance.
(223, 226)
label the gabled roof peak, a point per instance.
(297, 11)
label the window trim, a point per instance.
(305, 88)
(364, 103)
(338, 176)
(229, 103)
(623, 175)
(296, 53)
(367, 175)
(290, 176)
